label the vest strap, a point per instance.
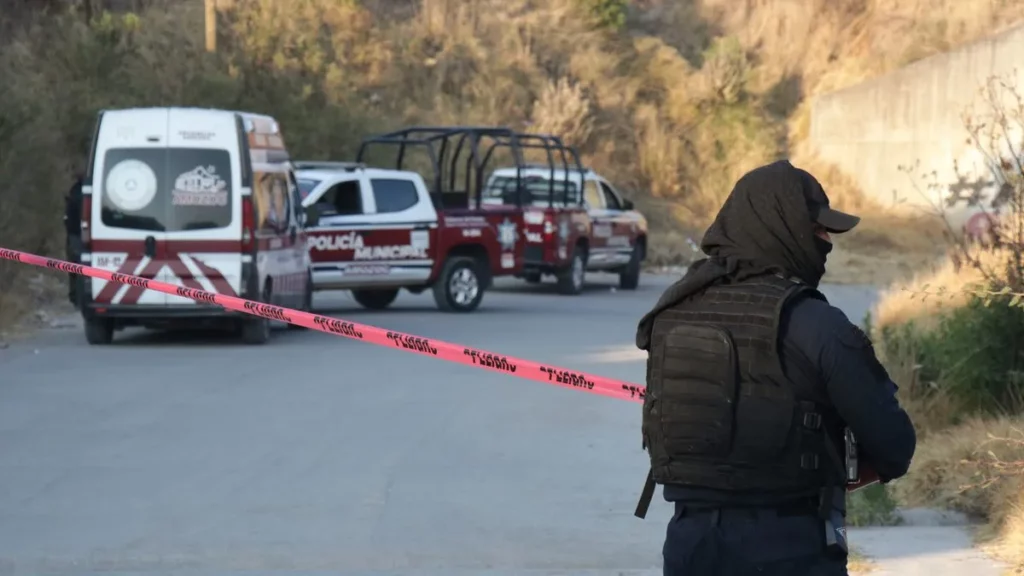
(646, 495)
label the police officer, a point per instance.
(73, 230)
(753, 381)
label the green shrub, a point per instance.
(871, 506)
(974, 357)
(608, 13)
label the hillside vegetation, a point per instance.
(673, 100)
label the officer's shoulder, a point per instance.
(811, 314)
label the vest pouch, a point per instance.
(699, 377)
(766, 412)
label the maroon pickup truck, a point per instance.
(375, 230)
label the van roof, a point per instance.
(254, 122)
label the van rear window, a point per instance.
(535, 190)
(166, 189)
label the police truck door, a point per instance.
(404, 237)
(342, 206)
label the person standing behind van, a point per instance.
(73, 231)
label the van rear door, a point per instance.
(204, 207)
(128, 208)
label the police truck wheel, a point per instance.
(375, 299)
(459, 288)
(99, 331)
(629, 279)
(571, 279)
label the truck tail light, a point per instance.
(86, 224)
(248, 225)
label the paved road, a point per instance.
(191, 454)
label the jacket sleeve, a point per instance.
(864, 397)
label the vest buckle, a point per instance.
(809, 461)
(812, 420)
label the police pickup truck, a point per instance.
(612, 235)
(375, 231)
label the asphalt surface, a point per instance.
(190, 453)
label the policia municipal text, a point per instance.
(753, 383)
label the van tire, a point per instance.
(256, 329)
(572, 278)
(99, 331)
(307, 302)
(459, 272)
(375, 299)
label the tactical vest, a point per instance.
(718, 411)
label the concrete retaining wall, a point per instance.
(915, 115)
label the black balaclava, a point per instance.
(765, 226)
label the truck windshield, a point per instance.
(535, 191)
(306, 185)
(166, 189)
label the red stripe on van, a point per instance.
(220, 283)
(106, 295)
(134, 292)
(169, 247)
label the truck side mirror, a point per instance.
(312, 217)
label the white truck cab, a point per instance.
(373, 227)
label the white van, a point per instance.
(195, 197)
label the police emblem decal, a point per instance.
(507, 235)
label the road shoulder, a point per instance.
(927, 542)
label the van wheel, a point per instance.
(256, 329)
(307, 302)
(375, 299)
(571, 278)
(459, 288)
(99, 331)
(629, 279)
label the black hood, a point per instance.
(765, 226)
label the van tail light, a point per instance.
(86, 224)
(248, 225)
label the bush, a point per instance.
(608, 13)
(871, 506)
(973, 358)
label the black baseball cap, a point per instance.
(832, 220)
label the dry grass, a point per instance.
(905, 302)
(857, 563)
(977, 468)
(1008, 545)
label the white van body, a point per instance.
(170, 196)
